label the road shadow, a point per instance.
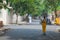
(31, 34)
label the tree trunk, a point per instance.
(55, 13)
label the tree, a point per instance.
(34, 7)
(25, 6)
(53, 4)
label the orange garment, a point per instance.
(44, 25)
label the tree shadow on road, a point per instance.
(31, 34)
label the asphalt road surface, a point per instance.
(30, 32)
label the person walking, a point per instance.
(30, 19)
(44, 26)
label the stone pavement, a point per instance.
(31, 32)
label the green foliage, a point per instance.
(22, 6)
(58, 8)
(53, 4)
(34, 7)
(0, 7)
(1, 1)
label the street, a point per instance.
(30, 20)
(30, 32)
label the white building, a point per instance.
(7, 16)
(4, 14)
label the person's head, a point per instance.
(44, 17)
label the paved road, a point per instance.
(30, 32)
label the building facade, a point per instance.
(5, 15)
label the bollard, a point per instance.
(1, 24)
